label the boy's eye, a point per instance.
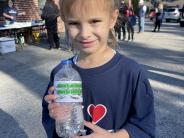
(95, 21)
(73, 23)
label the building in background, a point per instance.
(32, 8)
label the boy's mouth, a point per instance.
(87, 43)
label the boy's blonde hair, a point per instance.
(81, 6)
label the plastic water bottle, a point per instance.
(68, 89)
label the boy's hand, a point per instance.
(57, 111)
(98, 132)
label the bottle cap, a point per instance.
(66, 62)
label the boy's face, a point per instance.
(89, 31)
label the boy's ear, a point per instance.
(114, 17)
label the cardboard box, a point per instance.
(7, 45)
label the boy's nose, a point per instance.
(85, 32)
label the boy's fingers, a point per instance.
(54, 105)
(49, 98)
(94, 128)
(51, 90)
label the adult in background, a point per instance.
(118, 27)
(123, 7)
(158, 17)
(10, 13)
(141, 16)
(50, 14)
(131, 23)
(123, 18)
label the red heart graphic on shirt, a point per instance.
(97, 112)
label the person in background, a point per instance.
(141, 16)
(121, 26)
(50, 14)
(159, 16)
(123, 18)
(131, 22)
(111, 81)
(123, 7)
(10, 13)
(118, 27)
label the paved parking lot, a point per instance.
(24, 76)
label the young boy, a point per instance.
(117, 97)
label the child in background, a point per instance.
(117, 97)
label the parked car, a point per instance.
(172, 14)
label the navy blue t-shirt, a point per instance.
(10, 11)
(117, 95)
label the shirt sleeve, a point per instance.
(141, 123)
(47, 122)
